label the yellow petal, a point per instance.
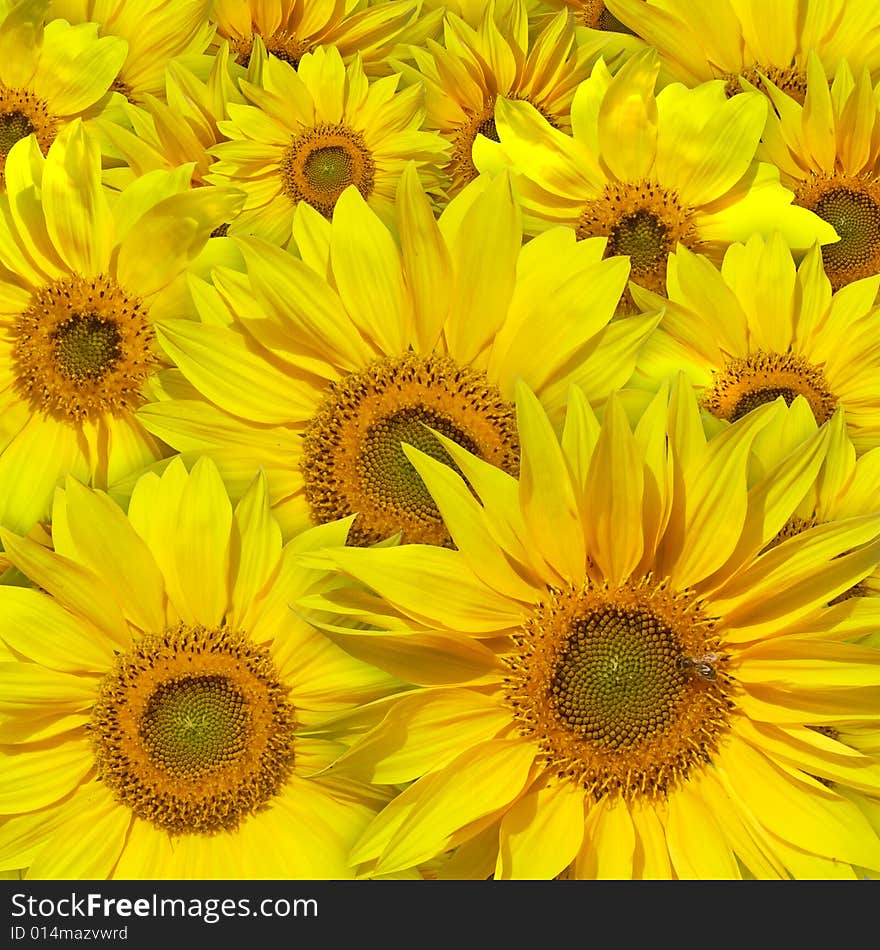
(541, 833)
(107, 544)
(202, 547)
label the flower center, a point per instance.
(789, 79)
(83, 348)
(851, 205)
(624, 690)
(353, 460)
(594, 14)
(745, 384)
(281, 44)
(320, 163)
(192, 730)
(644, 221)
(86, 346)
(21, 114)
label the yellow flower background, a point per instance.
(439, 440)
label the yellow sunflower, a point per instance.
(311, 132)
(761, 328)
(156, 31)
(649, 172)
(828, 152)
(290, 28)
(176, 129)
(613, 681)
(296, 368)
(50, 74)
(738, 39)
(163, 711)
(85, 273)
(497, 61)
(848, 485)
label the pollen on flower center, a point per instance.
(87, 346)
(594, 14)
(321, 162)
(644, 221)
(851, 205)
(624, 690)
(83, 347)
(21, 114)
(745, 384)
(789, 79)
(192, 730)
(281, 44)
(353, 460)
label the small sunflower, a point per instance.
(732, 40)
(761, 328)
(311, 132)
(50, 74)
(318, 368)
(828, 152)
(163, 709)
(612, 680)
(649, 172)
(156, 31)
(477, 67)
(176, 129)
(86, 272)
(290, 28)
(847, 486)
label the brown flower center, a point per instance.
(744, 384)
(193, 731)
(624, 690)
(353, 460)
(321, 162)
(83, 347)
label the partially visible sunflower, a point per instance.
(290, 28)
(156, 31)
(312, 131)
(761, 328)
(162, 714)
(613, 679)
(176, 129)
(318, 368)
(738, 39)
(847, 485)
(474, 68)
(50, 74)
(649, 172)
(828, 153)
(85, 273)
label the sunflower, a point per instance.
(828, 153)
(290, 28)
(847, 486)
(156, 31)
(85, 273)
(649, 172)
(761, 328)
(313, 131)
(50, 74)
(296, 369)
(497, 61)
(178, 128)
(611, 679)
(732, 40)
(163, 710)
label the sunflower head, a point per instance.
(625, 658)
(191, 697)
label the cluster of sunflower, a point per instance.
(440, 440)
